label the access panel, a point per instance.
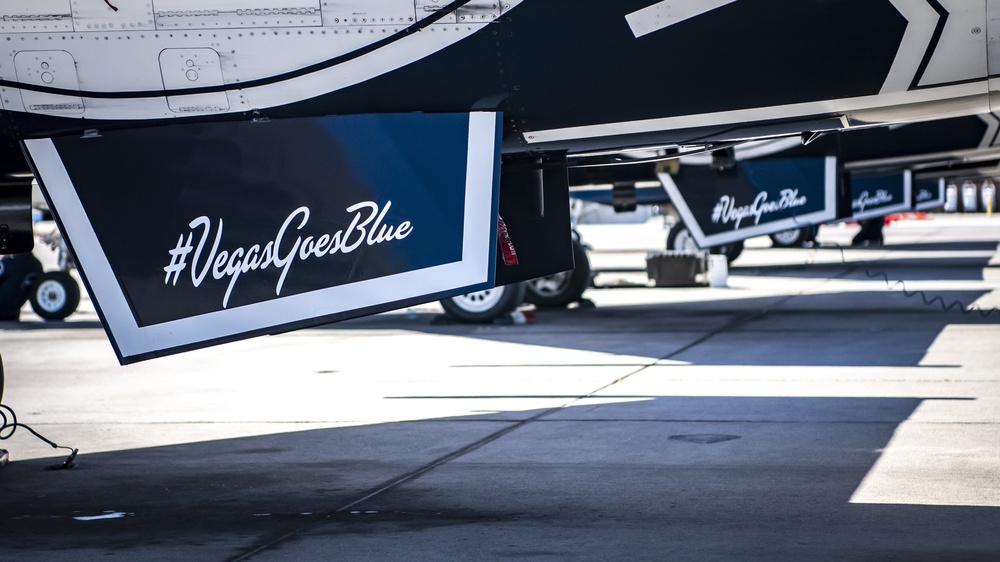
(55, 69)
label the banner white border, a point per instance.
(938, 200)
(829, 213)
(474, 271)
(905, 205)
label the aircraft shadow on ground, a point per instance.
(832, 261)
(22, 326)
(819, 329)
(669, 473)
(823, 329)
(838, 330)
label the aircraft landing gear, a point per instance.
(793, 238)
(481, 307)
(562, 289)
(557, 290)
(870, 233)
(54, 295)
(679, 238)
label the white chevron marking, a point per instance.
(922, 21)
(668, 12)
(992, 127)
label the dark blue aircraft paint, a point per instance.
(236, 219)
(753, 198)
(876, 195)
(928, 193)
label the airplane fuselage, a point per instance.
(567, 76)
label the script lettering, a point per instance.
(726, 211)
(291, 244)
(866, 200)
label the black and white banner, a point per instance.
(755, 198)
(877, 195)
(928, 194)
(190, 235)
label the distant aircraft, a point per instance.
(229, 168)
(783, 187)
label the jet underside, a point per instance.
(586, 76)
(285, 163)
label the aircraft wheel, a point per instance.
(481, 307)
(792, 238)
(563, 288)
(54, 295)
(731, 251)
(679, 238)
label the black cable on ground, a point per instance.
(929, 301)
(9, 424)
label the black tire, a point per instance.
(17, 275)
(54, 295)
(561, 289)
(679, 239)
(792, 238)
(483, 307)
(731, 251)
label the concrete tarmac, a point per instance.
(811, 410)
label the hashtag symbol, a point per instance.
(717, 213)
(178, 259)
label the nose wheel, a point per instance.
(55, 295)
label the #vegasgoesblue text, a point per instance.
(367, 227)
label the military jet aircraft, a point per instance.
(229, 168)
